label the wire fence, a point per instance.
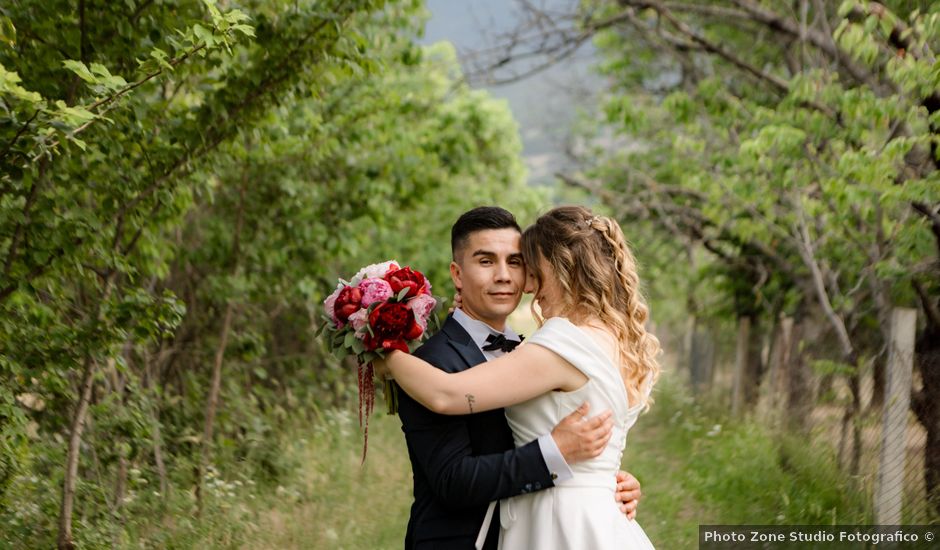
(785, 378)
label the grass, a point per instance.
(336, 503)
(696, 468)
(326, 500)
(668, 512)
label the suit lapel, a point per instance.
(460, 341)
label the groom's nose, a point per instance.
(502, 273)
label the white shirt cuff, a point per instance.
(557, 466)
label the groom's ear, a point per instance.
(455, 276)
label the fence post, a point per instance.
(890, 488)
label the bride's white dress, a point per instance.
(579, 512)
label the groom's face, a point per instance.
(489, 274)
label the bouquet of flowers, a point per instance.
(384, 307)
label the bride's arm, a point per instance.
(527, 372)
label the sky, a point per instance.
(544, 105)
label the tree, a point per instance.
(796, 144)
(168, 228)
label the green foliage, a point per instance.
(772, 163)
(743, 472)
(166, 162)
(777, 184)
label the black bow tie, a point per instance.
(498, 342)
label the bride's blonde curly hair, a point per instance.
(598, 277)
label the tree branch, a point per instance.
(19, 133)
(806, 252)
(13, 251)
(927, 303)
(820, 40)
(778, 83)
(933, 216)
(139, 11)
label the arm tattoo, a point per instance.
(470, 400)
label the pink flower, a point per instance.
(374, 290)
(358, 321)
(422, 305)
(329, 305)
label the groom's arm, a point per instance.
(441, 447)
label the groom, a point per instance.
(461, 463)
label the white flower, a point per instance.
(376, 271)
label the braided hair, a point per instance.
(597, 273)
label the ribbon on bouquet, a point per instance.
(485, 528)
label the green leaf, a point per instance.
(7, 31)
(204, 35)
(846, 6)
(81, 70)
(74, 115)
(9, 84)
(81, 144)
(161, 58)
(358, 347)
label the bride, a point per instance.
(592, 347)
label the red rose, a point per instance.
(392, 323)
(347, 303)
(408, 278)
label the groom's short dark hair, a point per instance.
(479, 219)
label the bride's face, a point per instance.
(548, 293)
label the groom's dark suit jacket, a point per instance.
(461, 463)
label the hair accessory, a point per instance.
(584, 224)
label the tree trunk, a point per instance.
(76, 428)
(778, 360)
(216, 384)
(151, 383)
(703, 357)
(213, 401)
(71, 463)
(120, 487)
(856, 408)
(687, 346)
(755, 364)
(158, 456)
(798, 395)
(926, 402)
(747, 365)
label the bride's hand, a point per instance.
(458, 301)
(381, 370)
(628, 493)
